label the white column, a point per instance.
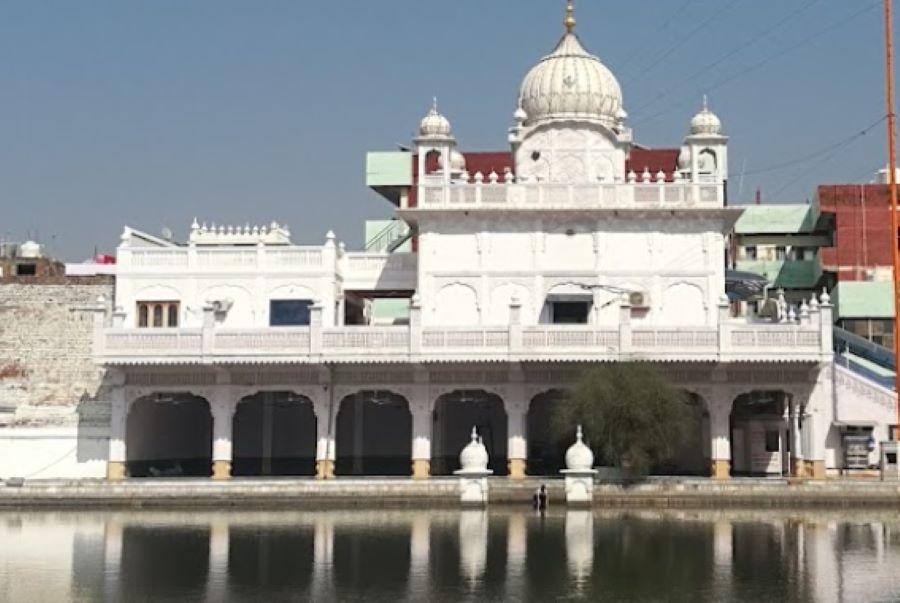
(720, 435)
(422, 422)
(797, 468)
(517, 444)
(325, 444)
(118, 425)
(222, 406)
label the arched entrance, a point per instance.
(692, 458)
(759, 434)
(546, 448)
(274, 434)
(169, 435)
(374, 435)
(454, 416)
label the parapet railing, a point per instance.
(808, 341)
(624, 195)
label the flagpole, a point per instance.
(892, 180)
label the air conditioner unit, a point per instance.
(638, 299)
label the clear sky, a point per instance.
(149, 113)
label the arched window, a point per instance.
(157, 315)
(172, 315)
(143, 316)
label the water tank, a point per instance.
(30, 249)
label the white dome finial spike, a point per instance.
(705, 103)
(474, 433)
(579, 434)
(434, 104)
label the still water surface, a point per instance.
(449, 556)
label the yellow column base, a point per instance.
(221, 471)
(324, 469)
(421, 469)
(798, 468)
(815, 470)
(115, 471)
(720, 469)
(516, 468)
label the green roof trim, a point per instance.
(777, 219)
(789, 274)
(864, 299)
(392, 168)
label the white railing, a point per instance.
(633, 195)
(411, 344)
(228, 259)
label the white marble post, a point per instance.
(118, 424)
(720, 435)
(223, 407)
(421, 444)
(798, 465)
(325, 444)
(517, 443)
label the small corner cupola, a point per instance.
(706, 123)
(435, 126)
(571, 84)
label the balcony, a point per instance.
(504, 196)
(379, 271)
(809, 340)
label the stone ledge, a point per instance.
(441, 492)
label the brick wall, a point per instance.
(47, 376)
(862, 228)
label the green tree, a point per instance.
(632, 416)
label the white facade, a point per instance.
(517, 280)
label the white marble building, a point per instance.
(239, 353)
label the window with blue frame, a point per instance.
(289, 312)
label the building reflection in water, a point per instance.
(411, 556)
(580, 546)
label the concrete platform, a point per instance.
(443, 492)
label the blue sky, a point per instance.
(149, 113)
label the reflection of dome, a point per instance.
(434, 124)
(579, 457)
(706, 122)
(571, 83)
(474, 456)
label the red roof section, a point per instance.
(653, 160)
(641, 158)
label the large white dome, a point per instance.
(571, 84)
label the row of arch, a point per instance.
(276, 434)
(682, 303)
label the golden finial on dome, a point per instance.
(570, 16)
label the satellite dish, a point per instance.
(167, 233)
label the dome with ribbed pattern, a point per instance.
(571, 84)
